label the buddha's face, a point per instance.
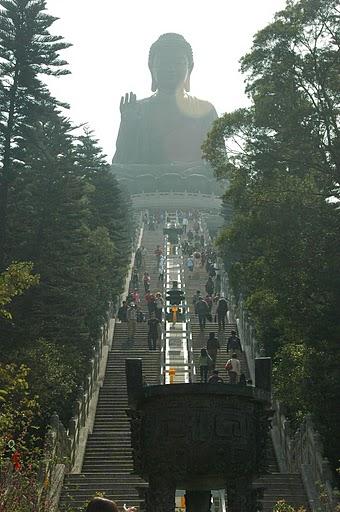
(170, 69)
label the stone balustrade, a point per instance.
(176, 200)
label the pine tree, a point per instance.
(27, 51)
(49, 225)
(110, 222)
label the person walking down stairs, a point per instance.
(154, 331)
(205, 363)
(212, 347)
(202, 312)
(146, 281)
(234, 343)
(132, 322)
(221, 312)
(233, 367)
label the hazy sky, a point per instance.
(111, 40)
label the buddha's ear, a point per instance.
(153, 83)
(187, 80)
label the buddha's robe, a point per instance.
(164, 129)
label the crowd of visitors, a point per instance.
(140, 294)
(208, 357)
(211, 306)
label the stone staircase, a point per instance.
(107, 466)
(277, 486)
(196, 281)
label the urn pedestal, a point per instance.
(199, 437)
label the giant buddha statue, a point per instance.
(160, 137)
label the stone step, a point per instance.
(109, 467)
(79, 504)
(109, 477)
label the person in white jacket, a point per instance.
(233, 367)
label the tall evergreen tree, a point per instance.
(110, 222)
(27, 51)
(49, 225)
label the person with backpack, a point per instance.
(234, 343)
(122, 312)
(221, 312)
(233, 367)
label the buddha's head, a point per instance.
(170, 62)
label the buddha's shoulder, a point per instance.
(201, 107)
(191, 104)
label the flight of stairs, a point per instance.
(277, 486)
(107, 464)
(196, 281)
(107, 468)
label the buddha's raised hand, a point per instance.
(127, 103)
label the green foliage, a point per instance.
(60, 209)
(19, 411)
(281, 157)
(53, 380)
(282, 506)
(27, 52)
(14, 281)
(291, 374)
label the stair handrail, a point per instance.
(61, 445)
(190, 348)
(300, 451)
(163, 341)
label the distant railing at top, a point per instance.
(176, 200)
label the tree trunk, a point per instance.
(6, 171)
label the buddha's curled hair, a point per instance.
(171, 40)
